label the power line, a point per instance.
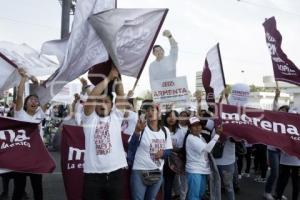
(268, 7)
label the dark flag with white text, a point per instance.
(72, 158)
(284, 69)
(22, 148)
(256, 126)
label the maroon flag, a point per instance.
(72, 158)
(22, 149)
(213, 76)
(278, 129)
(284, 69)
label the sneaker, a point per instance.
(260, 180)
(240, 176)
(284, 197)
(247, 175)
(268, 196)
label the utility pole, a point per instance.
(65, 18)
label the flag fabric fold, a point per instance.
(14, 56)
(128, 35)
(284, 69)
(82, 50)
(213, 76)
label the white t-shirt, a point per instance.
(151, 142)
(36, 118)
(104, 151)
(129, 123)
(286, 159)
(165, 68)
(183, 128)
(228, 156)
(177, 138)
(197, 154)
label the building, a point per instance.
(264, 100)
(199, 85)
(292, 90)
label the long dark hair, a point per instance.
(26, 100)
(176, 125)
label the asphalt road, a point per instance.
(54, 188)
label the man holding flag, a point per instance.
(164, 67)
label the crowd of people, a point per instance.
(152, 138)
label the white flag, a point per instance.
(14, 56)
(128, 35)
(212, 75)
(83, 49)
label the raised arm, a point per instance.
(121, 99)
(90, 105)
(21, 87)
(173, 43)
(198, 95)
(275, 101)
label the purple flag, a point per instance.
(256, 126)
(72, 158)
(22, 149)
(284, 69)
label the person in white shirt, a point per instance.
(164, 67)
(153, 144)
(183, 120)
(173, 181)
(274, 155)
(197, 162)
(105, 157)
(30, 111)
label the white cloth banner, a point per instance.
(239, 94)
(13, 56)
(170, 90)
(79, 52)
(128, 35)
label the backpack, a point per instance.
(177, 160)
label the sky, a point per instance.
(197, 25)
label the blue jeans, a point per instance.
(273, 157)
(139, 191)
(226, 173)
(196, 186)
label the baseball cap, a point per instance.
(194, 120)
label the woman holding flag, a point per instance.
(29, 111)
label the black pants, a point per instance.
(261, 159)
(108, 186)
(20, 185)
(5, 181)
(169, 177)
(248, 161)
(285, 171)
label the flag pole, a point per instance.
(150, 48)
(220, 59)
